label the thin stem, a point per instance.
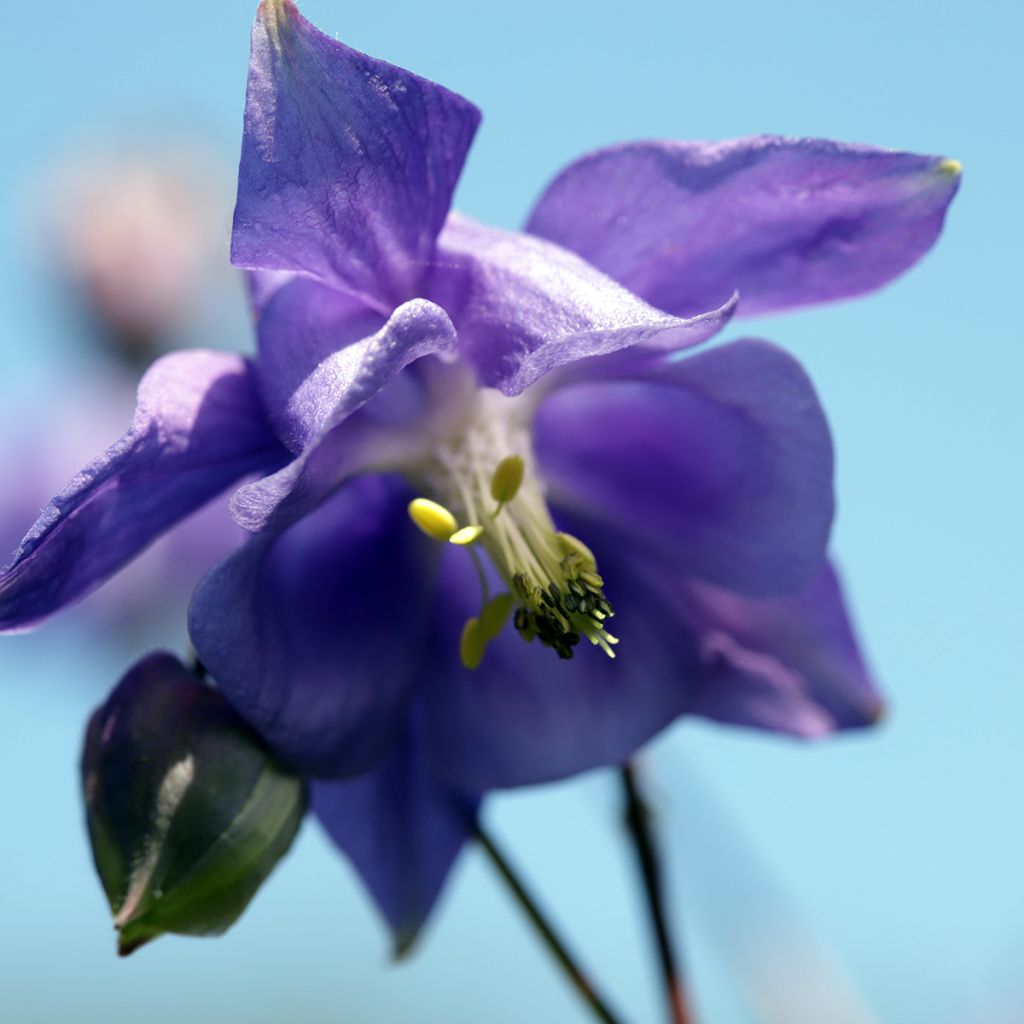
(638, 820)
(551, 939)
(478, 565)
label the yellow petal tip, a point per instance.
(951, 167)
(275, 17)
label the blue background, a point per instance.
(880, 875)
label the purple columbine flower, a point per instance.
(519, 396)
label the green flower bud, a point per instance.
(188, 812)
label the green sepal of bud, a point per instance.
(188, 811)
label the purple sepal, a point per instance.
(348, 163)
(199, 427)
(787, 665)
(785, 222)
(402, 828)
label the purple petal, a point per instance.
(789, 664)
(276, 501)
(365, 442)
(402, 828)
(786, 222)
(348, 163)
(313, 633)
(324, 353)
(525, 716)
(720, 463)
(523, 307)
(198, 427)
(263, 285)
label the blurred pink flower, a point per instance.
(136, 241)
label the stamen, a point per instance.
(472, 644)
(433, 519)
(495, 614)
(552, 578)
(507, 479)
(574, 546)
(467, 535)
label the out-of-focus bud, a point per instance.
(137, 237)
(188, 812)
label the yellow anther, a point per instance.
(951, 167)
(467, 535)
(507, 479)
(472, 644)
(571, 545)
(495, 614)
(433, 519)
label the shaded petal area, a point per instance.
(720, 463)
(324, 353)
(274, 502)
(313, 633)
(402, 828)
(348, 163)
(525, 716)
(786, 222)
(790, 664)
(199, 426)
(263, 285)
(523, 307)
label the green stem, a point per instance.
(478, 565)
(638, 820)
(555, 945)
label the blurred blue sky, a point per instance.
(901, 850)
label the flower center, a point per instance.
(482, 474)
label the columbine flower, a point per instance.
(517, 398)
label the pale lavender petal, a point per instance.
(523, 307)
(199, 426)
(324, 353)
(789, 664)
(314, 633)
(785, 222)
(402, 828)
(720, 463)
(348, 163)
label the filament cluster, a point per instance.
(555, 593)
